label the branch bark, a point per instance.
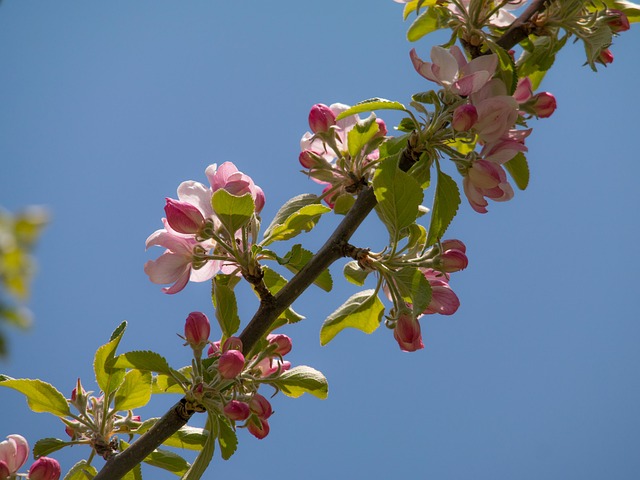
(268, 311)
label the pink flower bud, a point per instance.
(544, 104)
(44, 468)
(321, 118)
(382, 128)
(258, 427)
(618, 21)
(272, 365)
(183, 217)
(451, 261)
(523, 90)
(407, 333)
(464, 117)
(453, 243)
(260, 406)
(283, 343)
(235, 410)
(197, 329)
(605, 57)
(14, 452)
(214, 349)
(443, 299)
(4, 470)
(231, 364)
(232, 343)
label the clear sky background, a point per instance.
(107, 106)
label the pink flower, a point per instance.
(321, 118)
(496, 116)
(229, 178)
(486, 179)
(175, 265)
(236, 410)
(453, 243)
(232, 343)
(464, 117)
(197, 329)
(272, 365)
(183, 216)
(451, 260)
(505, 148)
(231, 364)
(605, 57)
(443, 300)
(523, 90)
(44, 468)
(407, 333)
(450, 69)
(14, 452)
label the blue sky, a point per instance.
(107, 107)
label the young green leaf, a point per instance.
(199, 466)
(427, 22)
(302, 379)
(301, 220)
(274, 282)
(227, 438)
(172, 462)
(354, 274)
(108, 377)
(163, 383)
(361, 134)
(134, 474)
(46, 446)
(445, 207)
(343, 204)
(81, 471)
(370, 105)
(414, 288)
(398, 195)
(233, 211)
(362, 311)
(188, 438)
(224, 301)
(135, 391)
(142, 360)
(297, 258)
(518, 168)
(41, 396)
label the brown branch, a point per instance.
(520, 28)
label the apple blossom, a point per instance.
(443, 299)
(450, 69)
(14, 452)
(486, 179)
(464, 117)
(229, 178)
(272, 365)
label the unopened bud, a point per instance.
(44, 468)
(321, 118)
(183, 217)
(544, 104)
(260, 406)
(235, 410)
(605, 57)
(617, 21)
(382, 128)
(197, 329)
(231, 364)
(464, 117)
(258, 427)
(282, 342)
(232, 343)
(407, 333)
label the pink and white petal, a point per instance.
(422, 67)
(181, 282)
(475, 197)
(167, 268)
(219, 177)
(483, 63)
(346, 123)
(445, 65)
(469, 84)
(197, 195)
(207, 271)
(170, 241)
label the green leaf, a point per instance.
(362, 311)
(142, 360)
(227, 438)
(172, 462)
(415, 5)
(297, 258)
(81, 471)
(41, 396)
(445, 206)
(233, 211)
(518, 168)
(135, 391)
(274, 282)
(354, 274)
(427, 22)
(301, 220)
(134, 474)
(46, 446)
(362, 133)
(303, 379)
(506, 67)
(109, 378)
(421, 171)
(343, 204)
(199, 466)
(370, 105)
(538, 57)
(224, 300)
(414, 288)
(290, 207)
(163, 383)
(393, 145)
(398, 196)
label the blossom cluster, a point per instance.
(233, 380)
(328, 156)
(14, 452)
(197, 247)
(487, 113)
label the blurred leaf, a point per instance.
(362, 311)
(41, 396)
(518, 168)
